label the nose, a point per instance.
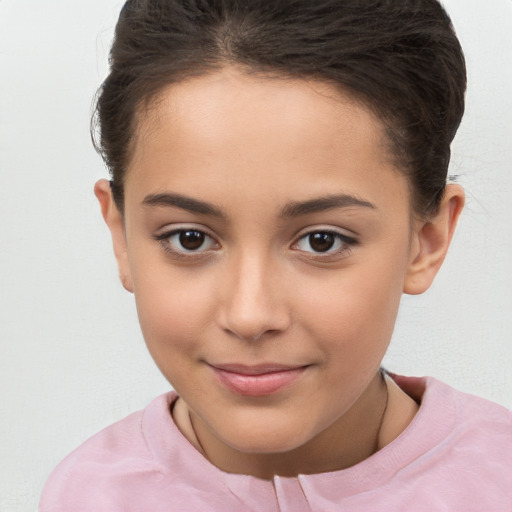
(254, 305)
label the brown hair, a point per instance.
(401, 56)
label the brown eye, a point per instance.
(328, 243)
(321, 242)
(191, 240)
(183, 242)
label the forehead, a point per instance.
(230, 99)
(251, 131)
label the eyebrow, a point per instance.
(183, 202)
(295, 209)
(292, 209)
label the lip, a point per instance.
(257, 380)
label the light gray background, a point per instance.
(72, 358)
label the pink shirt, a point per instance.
(456, 455)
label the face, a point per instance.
(268, 240)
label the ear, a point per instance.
(114, 220)
(431, 240)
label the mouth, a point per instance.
(257, 380)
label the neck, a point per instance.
(352, 438)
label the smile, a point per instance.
(259, 380)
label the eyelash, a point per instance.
(344, 242)
(166, 242)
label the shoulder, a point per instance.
(460, 416)
(115, 457)
(436, 397)
(483, 428)
(462, 447)
(469, 410)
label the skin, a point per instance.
(257, 291)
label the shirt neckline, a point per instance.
(433, 421)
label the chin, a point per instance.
(265, 441)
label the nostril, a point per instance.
(254, 326)
(248, 333)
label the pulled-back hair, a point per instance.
(401, 57)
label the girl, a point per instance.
(278, 181)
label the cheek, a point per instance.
(173, 309)
(354, 311)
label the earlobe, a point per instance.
(431, 240)
(114, 221)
